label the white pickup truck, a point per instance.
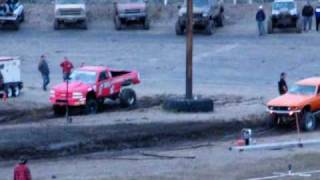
(14, 17)
(70, 12)
(10, 70)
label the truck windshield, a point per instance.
(70, 1)
(303, 90)
(283, 5)
(200, 3)
(87, 77)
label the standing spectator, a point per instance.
(307, 13)
(44, 70)
(260, 18)
(1, 81)
(282, 84)
(317, 15)
(66, 66)
(4, 8)
(21, 171)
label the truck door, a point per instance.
(104, 84)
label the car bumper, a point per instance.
(132, 16)
(70, 102)
(283, 112)
(71, 19)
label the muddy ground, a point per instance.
(235, 67)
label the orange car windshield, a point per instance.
(303, 90)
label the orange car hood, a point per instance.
(289, 100)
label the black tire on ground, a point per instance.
(179, 29)
(299, 25)
(117, 23)
(16, 91)
(188, 105)
(22, 17)
(270, 26)
(127, 98)
(59, 110)
(84, 25)
(91, 106)
(209, 28)
(56, 25)
(308, 121)
(16, 24)
(220, 20)
(272, 121)
(146, 24)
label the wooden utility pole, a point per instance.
(189, 50)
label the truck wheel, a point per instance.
(9, 91)
(91, 106)
(56, 25)
(308, 121)
(16, 24)
(209, 27)
(84, 25)
(22, 17)
(59, 110)
(127, 98)
(272, 121)
(16, 91)
(117, 23)
(270, 26)
(146, 24)
(179, 29)
(299, 26)
(219, 20)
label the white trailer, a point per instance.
(10, 69)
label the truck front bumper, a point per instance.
(132, 16)
(283, 112)
(70, 19)
(69, 102)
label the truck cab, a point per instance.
(89, 86)
(70, 12)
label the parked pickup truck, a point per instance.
(301, 101)
(89, 86)
(70, 12)
(131, 11)
(13, 16)
(10, 70)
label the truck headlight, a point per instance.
(52, 93)
(205, 14)
(77, 95)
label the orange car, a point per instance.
(302, 99)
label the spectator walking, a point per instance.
(44, 70)
(317, 15)
(307, 13)
(260, 18)
(282, 84)
(67, 67)
(21, 171)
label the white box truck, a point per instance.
(10, 69)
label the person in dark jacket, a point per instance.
(4, 9)
(44, 70)
(317, 15)
(260, 18)
(1, 81)
(307, 13)
(282, 84)
(21, 171)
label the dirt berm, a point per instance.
(52, 141)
